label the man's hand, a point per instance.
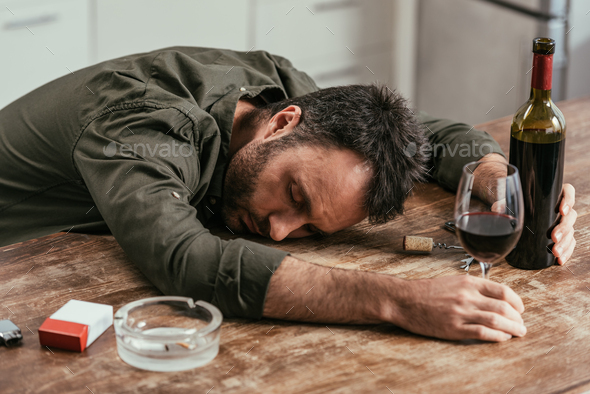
(452, 307)
(563, 233)
(462, 307)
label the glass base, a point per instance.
(166, 357)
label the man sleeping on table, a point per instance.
(153, 147)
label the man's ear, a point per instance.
(283, 122)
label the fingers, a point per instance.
(563, 236)
(502, 308)
(498, 322)
(561, 260)
(500, 292)
(568, 198)
(559, 249)
(499, 206)
(483, 333)
(565, 225)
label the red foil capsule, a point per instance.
(542, 71)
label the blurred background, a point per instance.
(467, 60)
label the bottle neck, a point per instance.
(541, 78)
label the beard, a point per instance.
(241, 180)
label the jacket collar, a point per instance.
(223, 111)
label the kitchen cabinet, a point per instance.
(132, 26)
(336, 42)
(41, 41)
(333, 40)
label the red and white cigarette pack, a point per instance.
(76, 325)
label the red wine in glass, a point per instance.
(487, 236)
(489, 211)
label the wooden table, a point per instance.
(272, 356)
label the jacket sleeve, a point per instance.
(451, 146)
(143, 194)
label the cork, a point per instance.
(417, 244)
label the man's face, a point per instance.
(293, 193)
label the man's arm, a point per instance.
(144, 199)
(456, 307)
(452, 145)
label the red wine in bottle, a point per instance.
(537, 142)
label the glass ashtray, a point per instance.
(167, 333)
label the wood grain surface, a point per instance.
(270, 356)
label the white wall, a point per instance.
(132, 26)
(335, 41)
(578, 79)
(41, 41)
(405, 47)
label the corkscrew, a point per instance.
(450, 225)
(425, 244)
(445, 246)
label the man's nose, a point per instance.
(281, 225)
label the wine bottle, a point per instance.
(537, 141)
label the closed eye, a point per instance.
(309, 227)
(291, 194)
(295, 203)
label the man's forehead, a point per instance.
(325, 164)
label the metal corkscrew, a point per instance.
(425, 244)
(445, 246)
(450, 225)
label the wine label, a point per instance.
(542, 71)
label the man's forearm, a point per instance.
(485, 190)
(305, 291)
(448, 142)
(455, 307)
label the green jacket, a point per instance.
(138, 146)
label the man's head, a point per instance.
(323, 162)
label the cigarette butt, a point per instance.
(141, 345)
(417, 244)
(186, 345)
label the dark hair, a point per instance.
(373, 121)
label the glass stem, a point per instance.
(485, 269)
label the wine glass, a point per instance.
(489, 211)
